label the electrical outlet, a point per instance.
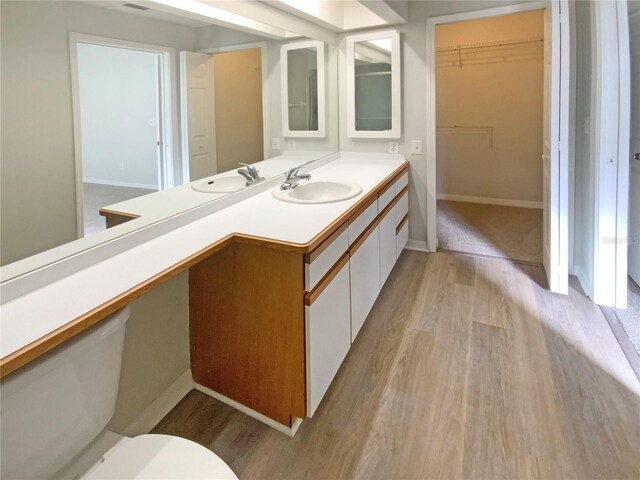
(291, 144)
(275, 144)
(416, 147)
(394, 147)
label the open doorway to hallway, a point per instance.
(489, 113)
(121, 125)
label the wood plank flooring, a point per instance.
(467, 367)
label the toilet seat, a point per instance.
(159, 457)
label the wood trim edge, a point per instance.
(311, 256)
(363, 236)
(401, 224)
(105, 212)
(311, 296)
(392, 204)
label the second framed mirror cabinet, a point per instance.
(373, 85)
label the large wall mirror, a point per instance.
(303, 89)
(373, 85)
(115, 118)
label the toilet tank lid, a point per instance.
(160, 457)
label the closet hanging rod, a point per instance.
(479, 45)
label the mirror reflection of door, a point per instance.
(223, 109)
(302, 86)
(119, 127)
(372, 64)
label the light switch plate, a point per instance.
(291, 144)
(275, 143)
(394, 147)
(416, 147)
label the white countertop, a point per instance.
(37, 313)
(164, 203)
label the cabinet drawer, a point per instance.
(327, 336)
(385, 197)
(402, 235)
(364, 267)
(318, 262)
(402, 182)
(402, 207)
(359, 222)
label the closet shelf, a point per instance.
(490, 44)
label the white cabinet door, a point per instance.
(365, 279)
(388, 246)
(328, 336)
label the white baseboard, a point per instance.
(165, 402)
(252, 413)
(116, 183)
(417, 245)
(489, 201)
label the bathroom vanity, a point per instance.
(272, 321)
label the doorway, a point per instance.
(489, 116)
(555, 130)
(119, 92)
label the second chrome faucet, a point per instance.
(294, 176)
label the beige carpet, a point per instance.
(96, 196)
(494, 230)
(630, 316)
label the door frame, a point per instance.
(634, 269)
(263, 70)
(611, 114)
(167, 111)
(561, 124)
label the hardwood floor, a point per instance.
(466, 368)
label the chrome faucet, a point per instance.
(250, 173)
(294, 176)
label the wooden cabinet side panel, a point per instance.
(247, 328)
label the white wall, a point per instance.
(413, 51)
(37, 204)
(119, 115)
(501, 90)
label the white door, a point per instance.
(611, 149)
(634, 184)
(198, 119)
(555, 158)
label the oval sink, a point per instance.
(220, 185)
(319, 192)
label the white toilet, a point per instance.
(54, 411)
